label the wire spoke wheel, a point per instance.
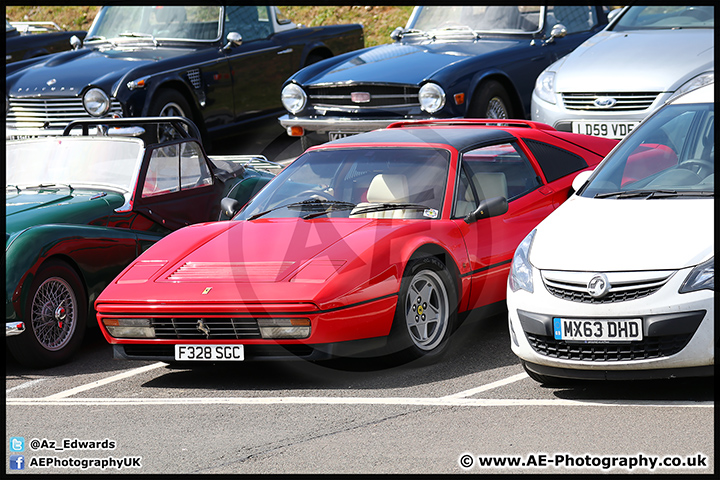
(165, 131)
(496, 108)
(54, 313)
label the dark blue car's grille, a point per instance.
(366, 96)
(48, 113)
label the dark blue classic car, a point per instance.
(25, 40)
(466, 61)
(219, 66)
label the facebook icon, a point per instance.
(17, 462)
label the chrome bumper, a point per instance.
(14, 328)
(336, 124)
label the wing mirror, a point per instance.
(489, 207)
(75, 42)
(558, 31)
(234, 39)
(580, 180)
(229, 206)
(397, 34)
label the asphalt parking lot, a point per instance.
(474, 406)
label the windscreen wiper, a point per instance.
(638, 193)
(311, 202)
(48, 185)
(379, 207)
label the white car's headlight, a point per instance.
(699, 81)
(96, 102)
(521, 270)
(432, 97)
(701, 277)
(293, 98)
(545, 86)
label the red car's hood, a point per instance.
(259, 251)
(323, 263)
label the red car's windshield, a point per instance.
(366, 178)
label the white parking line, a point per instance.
(24, 385)
(444, 401)
(105, 381)
(489, 386)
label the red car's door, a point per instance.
(491, 171)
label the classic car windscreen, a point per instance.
(671, 154)
(81, 161)
(666, 17)
(348, 182)
(159, 22)
(505, 18)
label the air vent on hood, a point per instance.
(228, 272)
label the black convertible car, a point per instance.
(220, 66)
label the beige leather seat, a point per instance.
(385, 188)
(488, 185)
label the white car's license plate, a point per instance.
(197, 353)
(598, 330)
(604, 129)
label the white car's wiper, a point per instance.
(639, 193)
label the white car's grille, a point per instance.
(49, 113)
(624, 286)
(622, 101)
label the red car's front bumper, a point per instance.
(335, 332)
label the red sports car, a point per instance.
(377, 242)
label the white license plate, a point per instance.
(598, 330)
(199, 353)
(335, 135)
(604, 129)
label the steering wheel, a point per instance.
(698, 166)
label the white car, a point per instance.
(645, 56)
(619, 282)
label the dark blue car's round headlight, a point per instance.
(293, 98)
(431, 97)
(96, 102)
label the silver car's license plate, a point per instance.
(604, 129)
(598, 330)
(199, 353)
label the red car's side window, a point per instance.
(493, 171)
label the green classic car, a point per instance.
(80, 207)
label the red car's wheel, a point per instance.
(55, 316)
(427, 309)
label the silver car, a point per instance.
(644, 57)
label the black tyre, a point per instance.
(55, 318)
(313, 58)
(426, 311)
(167, 103)
(492, 101)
